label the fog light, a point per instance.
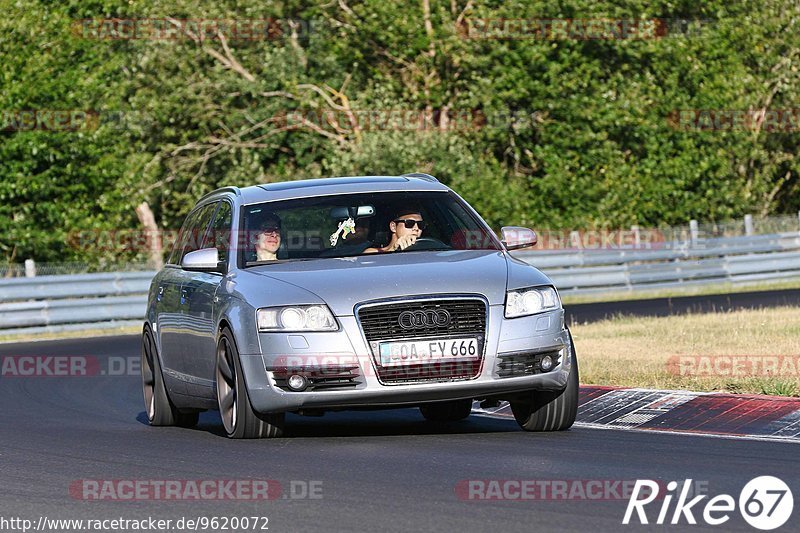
(547, 363)
(297, 382)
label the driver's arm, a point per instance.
(404, 242)
(400, 244)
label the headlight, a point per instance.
(531, 301)
(296, 318)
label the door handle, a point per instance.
(160, 293)
(183, 296)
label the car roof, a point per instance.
(304, 188)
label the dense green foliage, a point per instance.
(591, 144)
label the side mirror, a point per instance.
(205, 260)
(515, 237)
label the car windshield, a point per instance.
(348, 225)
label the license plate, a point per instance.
(427, 351)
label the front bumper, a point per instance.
(544, 332)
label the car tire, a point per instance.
(158, 407)
(452, 411)
(238, 417)
(551, 410)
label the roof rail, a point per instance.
(234, 190)
(421, 175)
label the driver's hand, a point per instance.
(405, 241)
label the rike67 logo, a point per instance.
(765, 503)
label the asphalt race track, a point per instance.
(681, 305)
(372, 471)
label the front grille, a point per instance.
(380, 323)
(510, 365)
(448, 371)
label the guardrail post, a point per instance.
(30, 268)
(748, 224)
(694, 233)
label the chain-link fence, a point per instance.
(748, 225)
(18, 270)
(665, 237)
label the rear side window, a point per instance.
(193, 232)
(178, 246)
(219, 235)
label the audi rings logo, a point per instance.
(424, 319)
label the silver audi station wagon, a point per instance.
(349, 293)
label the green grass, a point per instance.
(646, 351)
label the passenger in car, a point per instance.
(406, 228)
(268, 238)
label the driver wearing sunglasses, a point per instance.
(406, 228)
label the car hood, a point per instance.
(344, 282)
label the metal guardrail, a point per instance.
(732, 259)
(48, 303)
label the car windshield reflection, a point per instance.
(352, 225)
